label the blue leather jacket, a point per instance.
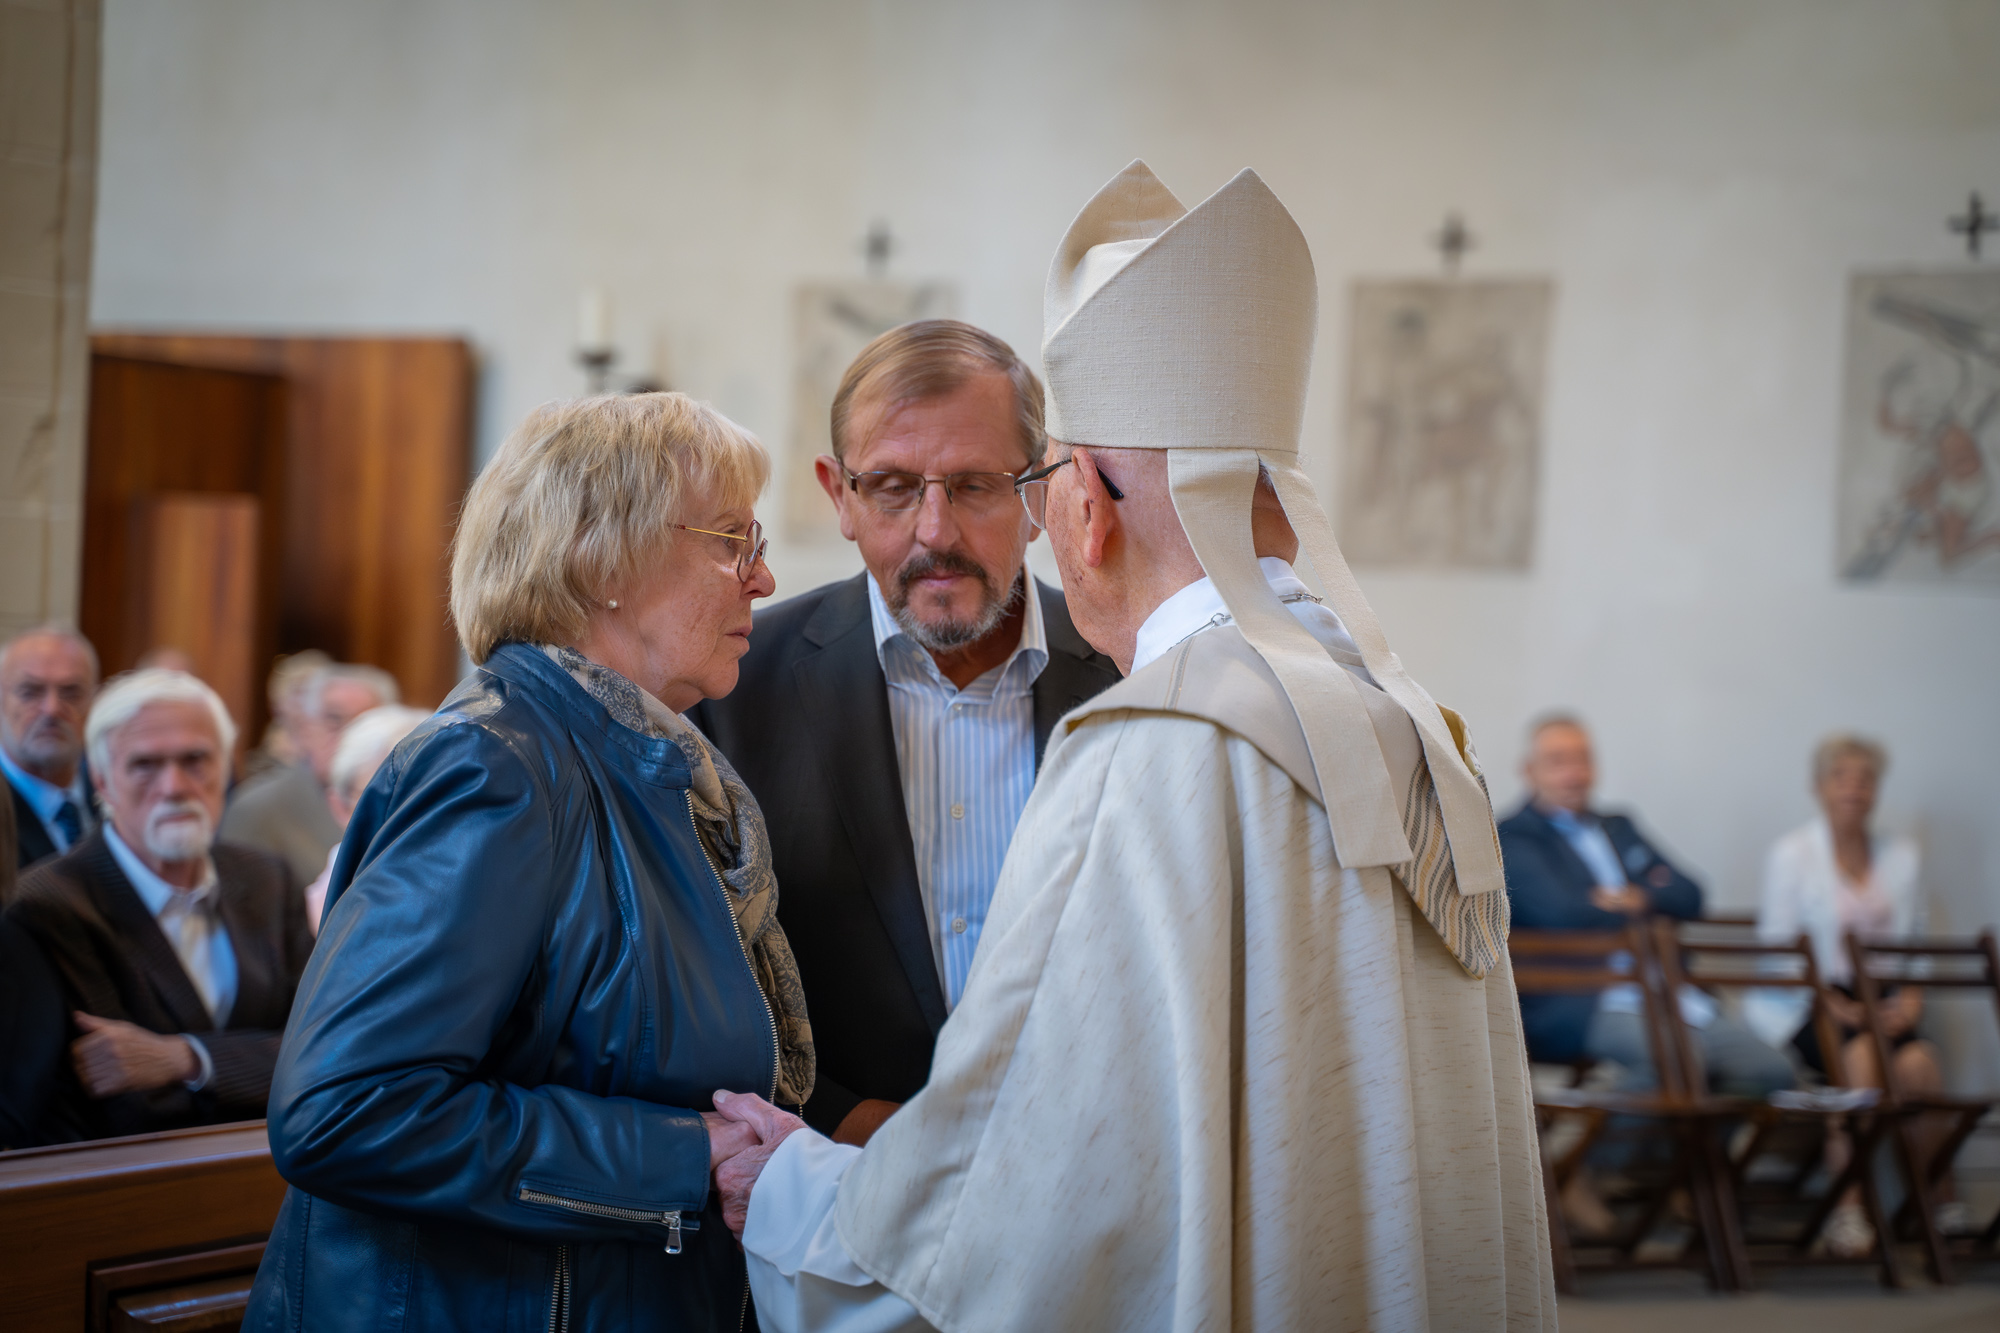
(528, 985)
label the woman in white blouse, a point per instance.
(1832, 878)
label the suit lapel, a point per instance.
(32, 839)
(238, 905)
(841, 686)
(1075, 674)
(126, 914)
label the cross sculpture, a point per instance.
(876, 247)
(1452, 242)
(1974, 223)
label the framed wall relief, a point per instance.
(1443, 429)
(1920, 429)
(834, 321)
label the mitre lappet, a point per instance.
(1192, 331)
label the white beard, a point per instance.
(171, 836)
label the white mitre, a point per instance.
(1192, 331)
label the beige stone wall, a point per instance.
(48, 170)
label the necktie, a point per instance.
(69, 822)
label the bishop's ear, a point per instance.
(1096, 511)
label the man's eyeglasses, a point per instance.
(1033, 488)
(750, 553)
(978, 493)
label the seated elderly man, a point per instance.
(47, 676)
(1570, 867)
(284, 809)
(177, 955)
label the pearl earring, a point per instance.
(613, 604)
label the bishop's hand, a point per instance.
(735, 1178)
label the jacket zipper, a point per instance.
(669, 1218)
(770, 1016)
(559, 1295)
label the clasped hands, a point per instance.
(743, 1131)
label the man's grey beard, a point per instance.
(46, 745)
(943, 636)
(183, 839)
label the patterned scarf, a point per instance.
(731, 827)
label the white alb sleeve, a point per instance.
(801, 1275)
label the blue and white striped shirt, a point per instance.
(968, 763)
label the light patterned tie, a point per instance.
(1475, 928)
(188, 922)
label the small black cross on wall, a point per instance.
(1453, 241)
(877, 247)
(1974, 223)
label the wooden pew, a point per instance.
(152, 1231)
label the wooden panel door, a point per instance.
(158, 429)
(378, 455)
(194, 584)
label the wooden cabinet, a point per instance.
(154, 1231)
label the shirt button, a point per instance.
(958, 812)
(958, 925)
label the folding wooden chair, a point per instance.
(1690, 955)
(1932, 964)
(1589, 962)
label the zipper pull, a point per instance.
(673, 1221)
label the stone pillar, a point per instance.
(49, 52)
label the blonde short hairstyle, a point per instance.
(1845, 745)
(583, 494)
(928, 359)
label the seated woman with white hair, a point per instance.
(363, 746)
(551, 932)
(1833, 877)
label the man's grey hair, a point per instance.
(367, 741)
(374, 679)
(53, 631)
(124, 696)
(1555, 717)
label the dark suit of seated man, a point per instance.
(177, 957)
(1572, 868)
(891, 725)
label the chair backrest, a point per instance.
(1586, 962)
(1931, 963)
(1690, 955)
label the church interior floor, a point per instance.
(1810, 1301)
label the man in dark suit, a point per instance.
(47, 677)
(177, 956)
(891, 724)
(1570, 867)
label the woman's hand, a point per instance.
(1901, 1011)
(726, 1137)
(735, 1178)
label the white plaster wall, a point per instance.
(1700, 177)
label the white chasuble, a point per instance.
(1202, 1077)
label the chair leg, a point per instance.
(1861, 1168)
(1710, 1169)
(1559, 1253)
(1917, 1178)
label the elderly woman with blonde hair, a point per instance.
(1838, 875)
(551, 929)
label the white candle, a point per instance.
(593, 320)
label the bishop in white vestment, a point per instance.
(1240, 1048)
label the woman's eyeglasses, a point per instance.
(1033, 488)
(751, 552)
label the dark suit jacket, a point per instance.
(1548, 888)
(808, 728)
(31, 840)
(34, 1045)
(114, 962)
